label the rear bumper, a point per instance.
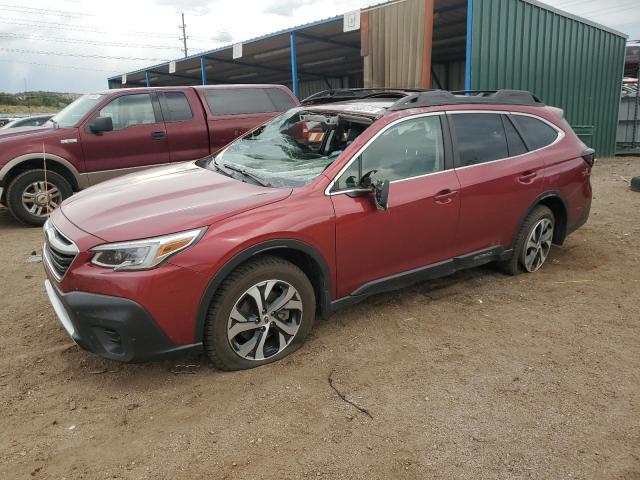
(113, 327)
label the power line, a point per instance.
(78, 55)
(44, 11)
(83, 42)
(57, 66)
(82, 28)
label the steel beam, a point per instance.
(294, 62)
(203, 69)
(427, 44)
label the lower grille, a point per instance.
(58, 261)
(59, 252)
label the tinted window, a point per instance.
(227, 101)
(281, 100)
(178, 106)
(480, 137)
(514, 140)
(536, 133)
(129, 110)
(408, 149)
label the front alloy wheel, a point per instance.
(260, 313)
(264, 320)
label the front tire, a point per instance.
(30, 199)
(532, 244)
(262, 312)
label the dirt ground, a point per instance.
(478, 375)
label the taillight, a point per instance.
(589, 156)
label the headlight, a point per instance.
(143, 254)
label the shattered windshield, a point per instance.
(290, 150)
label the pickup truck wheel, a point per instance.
(262, 312)
(30, 199)
(532, 244)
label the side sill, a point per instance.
(429, 272)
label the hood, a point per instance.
(31, 132)
(163, 200)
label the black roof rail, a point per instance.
(435, 98)
(342, 94)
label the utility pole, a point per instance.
(184, 37)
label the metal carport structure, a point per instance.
(567, 61)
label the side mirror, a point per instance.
(101, 124)
(381, 194)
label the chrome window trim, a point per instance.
(328, 192)
(560, 135)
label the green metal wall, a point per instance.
(569, 64)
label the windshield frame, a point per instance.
(99, 99)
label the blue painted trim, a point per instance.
(147, 78)
(467, 62)
(294, 62)
(203, 70)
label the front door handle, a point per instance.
(444, 197)
(527, 177)
(159, 135)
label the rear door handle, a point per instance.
(158, 135)
(445, 196)
(527, 177)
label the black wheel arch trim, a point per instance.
(539, 199)
(264, 247)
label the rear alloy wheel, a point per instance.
(31, 198)
(538, 245)
(532, 244)
(262, 312)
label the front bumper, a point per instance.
(112, 327)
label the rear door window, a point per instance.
(227, 101)
(480, 138)
(175, 107)
(514, 140)
(536, 133)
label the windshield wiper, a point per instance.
(247, 174)
(222, 166)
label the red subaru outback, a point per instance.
(238, 253)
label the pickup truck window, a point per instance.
(129, 110)
(292, 149)
(227, 101)
(175, 107)
(73, 113)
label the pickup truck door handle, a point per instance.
(444, 197)
(527, 177)
(159, 135)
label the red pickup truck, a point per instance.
(106, 134)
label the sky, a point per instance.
(74, 45)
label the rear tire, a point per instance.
(262, 312)
(530, 250)
(28, 200)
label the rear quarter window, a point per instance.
(228, 101)
(178, 107)
(536, 133)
